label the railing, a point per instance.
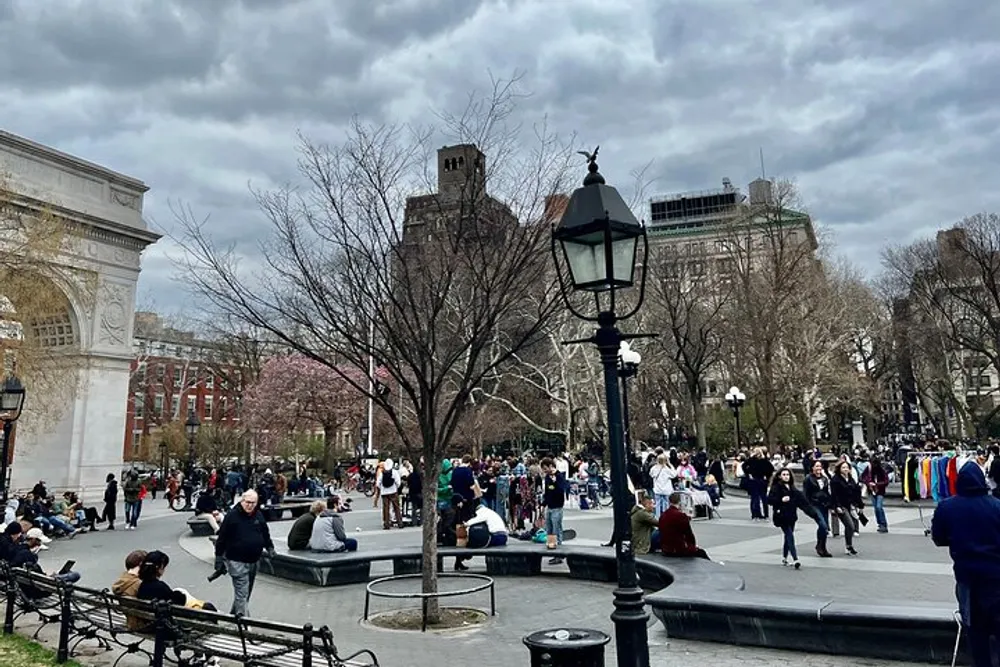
(370, 591)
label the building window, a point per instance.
(191, 401)
(136, 442)
(138, 400)
(209, 380)
(140, 373)
(158, 405)
(160, 372)
(175, 406)
(177, 377)
(208, 408)
(193, 374)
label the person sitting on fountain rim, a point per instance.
(486, 529)
(328, 534)
(676, 537)
(301, 532)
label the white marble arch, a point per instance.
(97, 270)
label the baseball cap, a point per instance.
(37, 534)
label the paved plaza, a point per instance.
(903, 565)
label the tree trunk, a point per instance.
(429, 581)
(698, 410)
(329, 449)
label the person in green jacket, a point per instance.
(643, 525)
(444, 485)
(133, 503)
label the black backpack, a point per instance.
(387, 480)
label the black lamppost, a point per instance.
(364, 439)
(599, 237)
(736, 398)
(628, 367)
(11, 403)
(191, 426)
(163, 462)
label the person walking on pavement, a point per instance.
(786, 500)
(876, 479)
(387, 488)
(845, 496)
(758, 470)
(110, 501)
(133, 504)
(816, 488)
(969, 525)
(243, 537)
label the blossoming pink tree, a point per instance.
(295, 394)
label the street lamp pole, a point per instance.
(736, 398)
(11, 403)
(191, 426)
(628, 367)
(599, 237)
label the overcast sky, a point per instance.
(886, 112)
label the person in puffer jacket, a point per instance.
(328, 534)
(10, 512)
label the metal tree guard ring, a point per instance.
(488, 583)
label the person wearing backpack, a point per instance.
(387, 485)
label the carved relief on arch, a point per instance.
(116, 304)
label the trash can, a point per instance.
(567, 647)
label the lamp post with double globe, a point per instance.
(736, 398)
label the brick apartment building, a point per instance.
(173, 373)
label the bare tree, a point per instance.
(771, 248)
(38, 341)
(953, 290)
(687, 306)
(358, 269)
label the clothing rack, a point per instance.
(931, 474)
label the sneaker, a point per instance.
(72, 534)
(883, 529)
(555, 561)
(798, 565)
(784, 562)
(851, 551)
(459, 567)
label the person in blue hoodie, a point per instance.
(969, 525)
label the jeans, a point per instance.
(243, 576)
(132, 512)
(662, 503)
(654, 541)
(61, 524)
(553, 523)
(850, 527)
(980, 607)
(878, 503)
(498, 540)
(758, 498)
(350, 544)
(822, 519)
(788, 545)
(68, 578)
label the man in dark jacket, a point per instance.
(298, 536)
(415, 485)
(969, 525)
(676, 536)
(243, 537)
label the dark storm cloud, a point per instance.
(885, 112)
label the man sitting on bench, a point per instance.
(328, 534)
(486, 529)
(676, 537)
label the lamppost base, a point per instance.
(631, 619)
